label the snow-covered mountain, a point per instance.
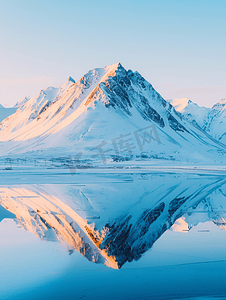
(194, 113)
(211, 120)
(6, 112)
(108, 113)
(216, 122)
(22, 102)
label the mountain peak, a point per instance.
(22, 102)
(180, 103)
(219, 105)
(71, 79)
(223, 101)
(115, 68)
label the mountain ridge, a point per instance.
(211, 120)
(105, 106)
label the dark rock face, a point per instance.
(148, 112)
(175, 204)
(126, 90)
(175, 125)
(44, 108)
(125, 240)
(123, 91)
(117, 96)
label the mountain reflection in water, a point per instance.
(115, 222)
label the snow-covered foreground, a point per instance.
(39, 170)
(143, 235)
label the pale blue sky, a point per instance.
(179, 46)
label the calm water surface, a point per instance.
(113, 236)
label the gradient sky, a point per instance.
(179, 46)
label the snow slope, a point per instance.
(212, 120)
(22, 102)
(216, 122)
(194, 113)
(108, 113)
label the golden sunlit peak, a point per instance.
(114, 66)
